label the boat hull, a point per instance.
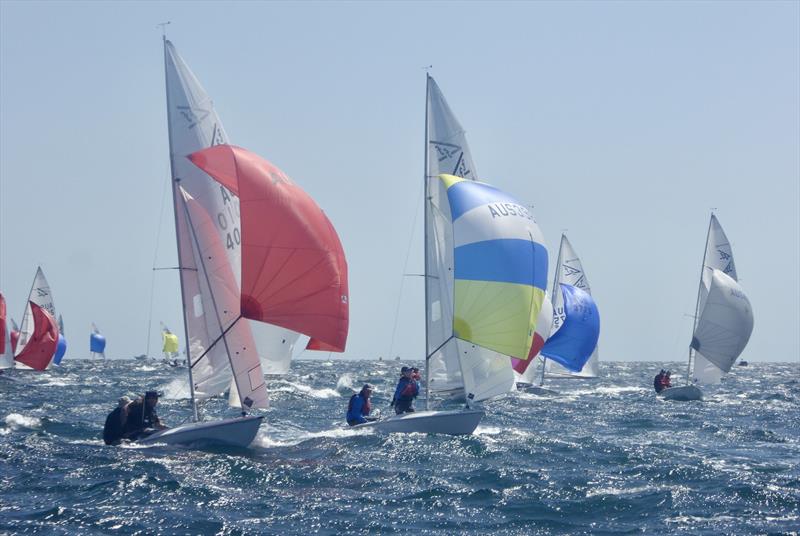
(682, 394)
(535, 389)
(237, 432)
(453, 422)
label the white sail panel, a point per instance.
(215, 310)
(718, 256)
(447, 152)
(723, 329)
(40, 295)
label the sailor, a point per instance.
(142, 419)
(666, 381)
(405, 393)
(657, 381)
(359, 406)
(115, 422)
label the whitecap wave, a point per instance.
(177, 389)
(16, 421)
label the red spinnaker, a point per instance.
(294, 272)
(2, 324)
(41, 347)
(521, 366)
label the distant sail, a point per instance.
(6, 351)
(97, 343)
(723, 328)
(718, 256)
(14, 335)
(170, 342)
(572, 345)
(40, 295)
(61, 347)
(41, 347)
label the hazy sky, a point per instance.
(623, 122)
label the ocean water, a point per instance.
(602, 457)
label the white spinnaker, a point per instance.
(40, 295)
(723, 328)
(569, 270)
(718, 256)
(453, 363)
(194, 125)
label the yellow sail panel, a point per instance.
(498, 316)
(170, 342)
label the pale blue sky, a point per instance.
(623, 122)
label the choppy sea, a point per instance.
(602, 457)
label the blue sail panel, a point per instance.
(61, 349)
(573, 344)
(97, 343)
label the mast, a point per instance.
(556, 277)
(425, 239)
(697, 305)
(175, 181)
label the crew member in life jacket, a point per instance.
(657, 381)
(406, 391)
(115, 422)
(142, 419)
(359, 407)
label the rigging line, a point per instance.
(155, 258)
(405, 266)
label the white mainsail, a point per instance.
(40, 295)
(194, 125)
(569, 270)
(451, 363)
(718, 257)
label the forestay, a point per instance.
(723, 328)
(569, 270)
(499, 274)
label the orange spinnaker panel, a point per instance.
(294, 272)
(41, 347)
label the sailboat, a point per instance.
(41, 296)
(485, 274)
(569, 270)
(97, 343)
(170, 345)
(221, 291)
(723, 319)
(61, 345)
(6, 353)
(42, 340)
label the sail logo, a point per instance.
(738, 294)
(42, 292)
(728, 268)
(499, 210)
(569, 271)
(193, 116)
(445, 151)
(723, 255)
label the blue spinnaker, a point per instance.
(97, 343)
(61, 349)
(573, 344)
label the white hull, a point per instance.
(682, 394)
(453, 422)
(237, 432)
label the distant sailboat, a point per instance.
(40, 348)
(485, 274)
(97, 343)
(572, 345)
(222, 344)
(61, 345)
(169, 344)
(41, 296)
(723, 318)
(569, 270)
(6, 352)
